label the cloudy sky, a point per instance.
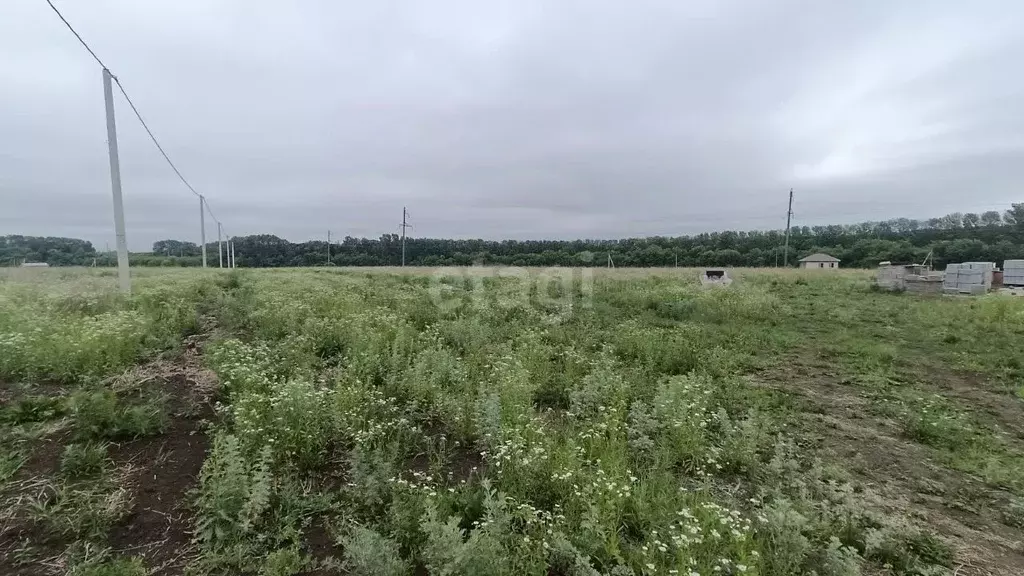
(509, 119)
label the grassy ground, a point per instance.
(569, 422)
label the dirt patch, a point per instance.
(321, 546)
(1004, 409)
(189, 386)
(464, 462)
(164, 469)
(45, 457)
(159, 471)
(906, 476)
(11, 391)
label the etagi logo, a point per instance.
(556, 289)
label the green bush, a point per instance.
(81, 460)
(232, 499)
(101, 414)
(110, 567)
(81, 511)
(284, 562)
(367, 553)
(32, 409)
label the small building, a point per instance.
(715, 277)
(818, 261)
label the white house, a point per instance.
(819, 261)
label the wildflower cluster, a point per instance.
(74, 348)
(293, 418)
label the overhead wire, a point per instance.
(210, 210)
(77, 35)
(152, 137)
(135, 109)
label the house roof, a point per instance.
(819, 257)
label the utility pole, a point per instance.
(202, 226)
(220, 248)
(789, 215)
(123, 276)
(232, 245)
(404, 226)
(328, 247)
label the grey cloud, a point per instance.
(510, 119)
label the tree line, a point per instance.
(957, 237)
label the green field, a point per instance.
(512, 422)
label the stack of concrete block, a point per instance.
(968, 278)
(1013, 273)
(890, 277)
(928, 284)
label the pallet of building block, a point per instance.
(979, 265)
(970, 279)
(972, 272)
(1013, 272)
(952, 274)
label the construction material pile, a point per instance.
(1013, 273)
(968, 278)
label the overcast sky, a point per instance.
(510, 119)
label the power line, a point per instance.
(152, 137)
(128, 98)
(68, 24)
(210, 210)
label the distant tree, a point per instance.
(951, 221)
(954, 237)
(991, 218)
(1015, 215)
(176, 248)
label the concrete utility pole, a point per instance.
(789, 215)
(404, 226)
(220, 248)
(328, 247)
(123, 275)
(202, 226)
(232, 245)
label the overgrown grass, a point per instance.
(472, 424)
